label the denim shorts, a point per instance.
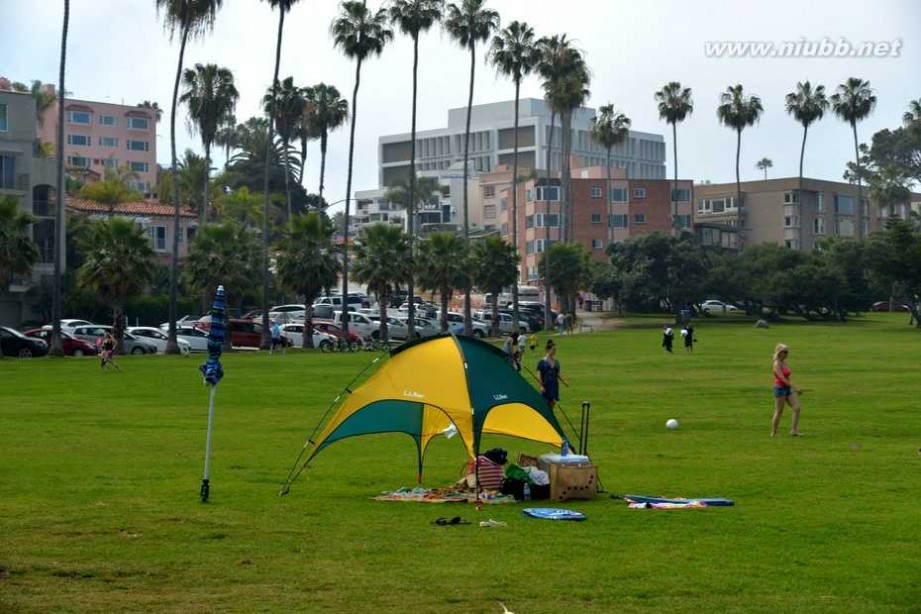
(782, 391)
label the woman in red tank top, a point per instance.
(784, 391)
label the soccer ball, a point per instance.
(672, 424)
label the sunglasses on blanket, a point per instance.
(449, 521)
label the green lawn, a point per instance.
(99, 478)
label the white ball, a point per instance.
(672, 424)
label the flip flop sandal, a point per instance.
(451, 521)
(493, 524)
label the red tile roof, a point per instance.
(140, 208)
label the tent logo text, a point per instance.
(500, 397)
(412, 394)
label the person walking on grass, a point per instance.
(668, 339)
(510, 348)
(784, 391)
(276, 338)
(549, 375)
(688, 333)
(107, 352)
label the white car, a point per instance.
(197, 338)
(715, 306)
(69, 325)
(295, 333)
(287, 313)
(480, 328)
(187, 319)
(158, 338)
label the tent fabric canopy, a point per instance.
(430, 384)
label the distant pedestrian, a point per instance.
(276, 338)
(510, 348)
(522, 345)
(570, 322)
(549, 374)
(561, 323)
(107, 352)
(668, 339)
(784, 391)
(688, 333)
(532, 342)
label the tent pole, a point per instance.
(205, 482)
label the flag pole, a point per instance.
(212, 372)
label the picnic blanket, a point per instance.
(442, 495)
(664, 503)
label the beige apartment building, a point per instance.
(101, 135)
(776, 211)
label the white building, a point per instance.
(492, 142)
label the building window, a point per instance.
(619, 221)
(489, 191)
(7, 172)
(639, 218)
(489, 212)
(190, 233)
(597, 244)
(818, 226)
(79, 140)
(820, 202)
(529, 247)
(78, 117)
(618, 195)
(108, 141)
(157, 236)
(790, 198)
(596, 218)
(681, 195)
(81, 161)
(529, 221)
(138, 146)
(527, 196)
(845, 205)
(138, 123)
(682, 221)
(639, 192)
(595, 192)
(844, 228)
(108, 120)
(140, 186)
(4, 122)
(110, 163)
(788, 244)
(551, 193)
(139, 167)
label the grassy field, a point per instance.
(99, 478)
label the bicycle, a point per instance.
(340, 345)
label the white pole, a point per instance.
(205, 483)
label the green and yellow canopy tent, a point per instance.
(428, 385)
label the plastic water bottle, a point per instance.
(526, 493)
(564, 449)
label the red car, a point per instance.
(243, 332)
(332, 328)
(884, 306)
(72, 346)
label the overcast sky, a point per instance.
(119, 52)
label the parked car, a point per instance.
(353, 302)
(287, 313)
(362, 324)
(295, 334)
(396, 328)
(197, 338)
(884, 306)
(715, 306)
(159, 338)
(14, 343)
(133, 345)
(425, 327)
(243, 333)
(480, 328)
(425, 309)
(332, 328)
(70, 344)
(69, 324)
(186, 319)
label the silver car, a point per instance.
(94, 332)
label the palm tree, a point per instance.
(17, 251)
(153, 106)
(284, 103)
(675, 104)
(912, 116)
(283, 6)
(43, 100)
(468, 22)
(514, 53)
(211, 96)
(414, 17)
(442, 267)
(308, 264)
(382, 263)
(110, 191)
(807, 105)
(325, 110)
(225, 254)
(763, 164)
(737, 111)
(57, 348)
(852, 102)
(609, 128)
(360, 33)
(566, 78)
(118, 264)
(226, 137)
(494, 266)
(191, 18)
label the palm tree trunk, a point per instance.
(348, 190)
(172, 345)
(206, 191)
(266, 333)
(322, 162)
(303, 161)
(675, 186)
(740, 240)
(411, 200)
(287, 185)
(548, 321)
(515, 311)
(799, 188)
(858, 230)
(445, 293)
(607, 198)
(57, 348)
(468, 325)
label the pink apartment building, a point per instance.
(100, 135)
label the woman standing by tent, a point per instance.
(549, 375)
(784, 391)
